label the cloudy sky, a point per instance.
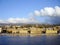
(30, 11)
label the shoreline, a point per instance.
(28, 34)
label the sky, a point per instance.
(30, 11)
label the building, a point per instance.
(51, 31)
(0, 29)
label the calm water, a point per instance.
(30, 40)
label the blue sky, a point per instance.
(22, 8)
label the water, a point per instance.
(30, 40)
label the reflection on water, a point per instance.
(14, 39)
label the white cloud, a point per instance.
(48, 11)
(19, 20)
(1, 21)
(36, 12)
(57, 9)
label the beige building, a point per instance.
(35, 30)
(0, 29)
(50, 30)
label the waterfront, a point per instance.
(29, 40)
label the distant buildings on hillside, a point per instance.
(30, 29)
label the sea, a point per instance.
(12, 39)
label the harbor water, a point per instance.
(30, 40)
